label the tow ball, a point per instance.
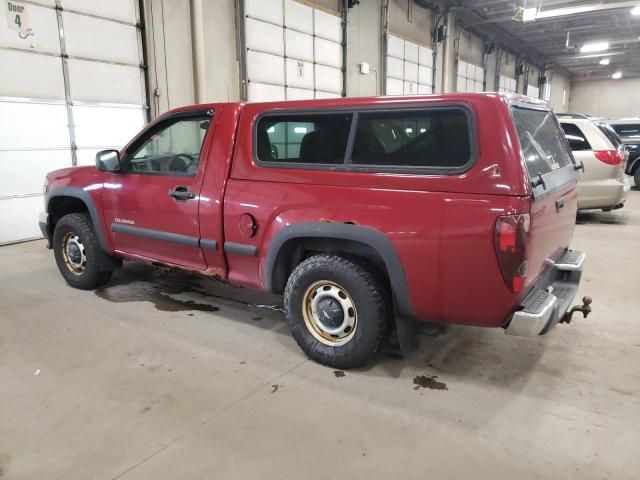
(585, 308)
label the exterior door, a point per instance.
(152, 207)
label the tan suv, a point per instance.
(602, 183)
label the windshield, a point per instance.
(543, 143)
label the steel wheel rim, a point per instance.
(73, 253)
(326, 293)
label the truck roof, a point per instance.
(381, 101)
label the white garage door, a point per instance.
(71, 84)
(507, 84)
(409, 67)
(293, 51)
(470, 77)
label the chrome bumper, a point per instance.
(545, 304)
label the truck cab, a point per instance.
(453, 209)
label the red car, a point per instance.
(455, 209)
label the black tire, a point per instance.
(90, 275)
(365, 287)
(636, 178)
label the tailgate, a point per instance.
(551, 170)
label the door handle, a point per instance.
(182, 194)
(559, 205)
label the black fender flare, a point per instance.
(82, 195)
(368, 236)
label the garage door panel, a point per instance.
(122, 10)
(395, 86)
(425, 75)
(103, 127)
(411, 72)
(265, 68)
(299, 74)
(299, 94)
(410, 88)
(33, 125)
(31, 85)
(328, 53)
(260, 92)
(328, 79)
(19, 218)
(298, 16)
(328, 26)
(264, 37)
(322, 94)
(87, 156)
(424, 89)
(48, 3)
(425, 56)
(44, 24)
(104, 83)
(269, 10)
(94, 38)
(23, 172)
(395, 47)
(299, 45)
(411, 52)
(395, 68)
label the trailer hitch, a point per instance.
(585, 308)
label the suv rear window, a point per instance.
(627, 130)
(543, 145)
(438, 138)
(577, 139)
(610, 133)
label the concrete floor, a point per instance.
(158, 377)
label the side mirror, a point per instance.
(108, 161)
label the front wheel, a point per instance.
(636, 177)
(338, 310)
(77, 252)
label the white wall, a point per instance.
(364, 44)
(606, 98)
(560, 91)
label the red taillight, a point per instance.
(610, 157)
(512, 249)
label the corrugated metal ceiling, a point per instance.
(558, 40)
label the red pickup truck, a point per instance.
(453, 209)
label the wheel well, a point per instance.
(295, 250)
(61, 206)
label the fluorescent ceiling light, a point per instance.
(617, 75)
(635, 10)
(595, 47)
(605, 61)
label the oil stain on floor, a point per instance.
(428, 381)
(141, 283)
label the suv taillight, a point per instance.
(610, 157)
(512, 249)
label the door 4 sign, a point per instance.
(17, 16)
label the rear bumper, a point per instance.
(603, 193)
(546, 303)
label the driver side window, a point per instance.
(174, 149)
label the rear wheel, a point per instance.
(77, 252)
(338, 310)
